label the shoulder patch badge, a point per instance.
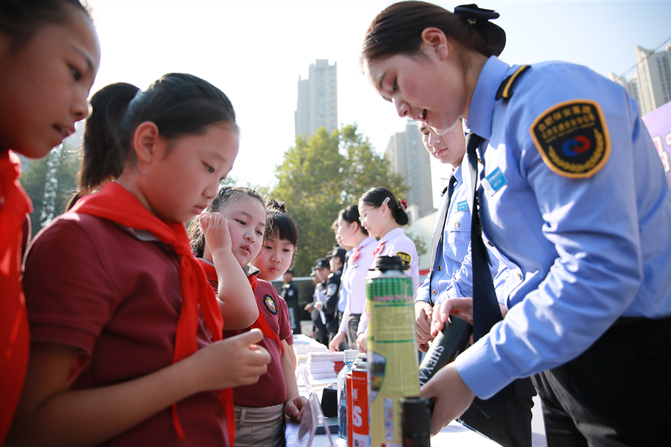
(331, 289)
(406, 258)
(270, 304)
(572, 138)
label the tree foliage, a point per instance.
(323, 175)
(50, 182)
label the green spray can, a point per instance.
(392, 351)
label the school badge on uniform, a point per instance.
(270, 304)
(572, 138)
(406, 258)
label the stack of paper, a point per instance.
(304, 345)
(324, 366)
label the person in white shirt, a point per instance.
(350, 233)
(381, 214)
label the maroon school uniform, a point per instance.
(271, 388)
(115, 295)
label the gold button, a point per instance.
(434, 292)
(456, 224)
(440, 267)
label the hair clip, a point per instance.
(402, 204)
(473, 13)
(280, 203)
(386, 200)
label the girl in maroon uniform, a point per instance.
(259, 408)
(126, 331)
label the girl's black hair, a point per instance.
(224, 196)
(20, 19)
(376, 196)
(179, 104)
(279, 223)
(398, 30)
(101, 161)
(351, 215)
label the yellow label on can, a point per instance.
(392, 356)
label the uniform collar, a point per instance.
(250, 270)
(392, 234)
(484, 97)
(367, 241)
(458, 172)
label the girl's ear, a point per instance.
(435, 41)
(145, 141)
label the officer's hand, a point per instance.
(461, 307)
(423, 311)
(452, 395)
(336, 342)
(308, 307)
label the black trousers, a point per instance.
(510, 426)
(617, 393)
(321, 334)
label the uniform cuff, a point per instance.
(479, 371)
(423, 294)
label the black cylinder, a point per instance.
(415, 421)
(451, 341)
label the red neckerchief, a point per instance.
(379, 248)
(14, 334)
(261, 322)
(115, 203)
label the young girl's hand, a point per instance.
(295, 408)
(215, 230)
(231, 362)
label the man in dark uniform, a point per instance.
(336, 259)
(320, 275)
(290, 294)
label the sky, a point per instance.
(255, 51)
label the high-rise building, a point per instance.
(407, 156)
(317, 99)
(651, 85)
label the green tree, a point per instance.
(322, 175)
(49, 183)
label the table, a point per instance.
(454, 435)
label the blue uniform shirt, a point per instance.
(452, 270)
(589, 249)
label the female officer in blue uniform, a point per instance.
(576, 196)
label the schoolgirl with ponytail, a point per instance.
(573, 194)
(381, 215)
(127, 333)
